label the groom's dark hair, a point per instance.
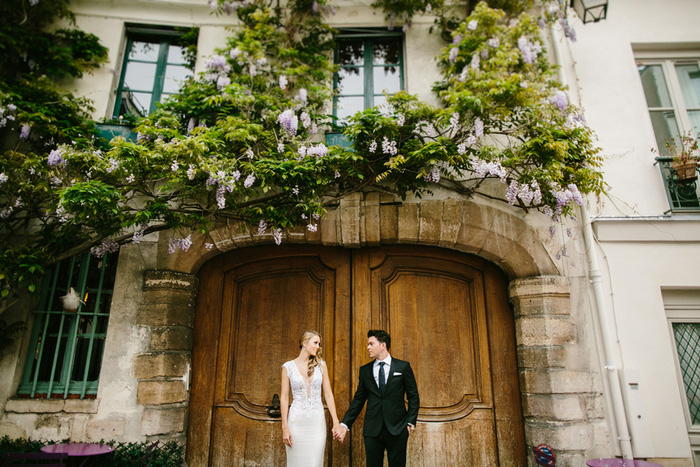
(381, 336)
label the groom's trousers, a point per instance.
(395, 446)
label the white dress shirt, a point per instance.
(375, 369)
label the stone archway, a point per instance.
(557, 404)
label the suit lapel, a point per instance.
(369, 374)
(392, 367)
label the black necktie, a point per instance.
(382, 378)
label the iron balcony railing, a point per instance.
(683, 194)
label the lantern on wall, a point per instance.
(590, 11)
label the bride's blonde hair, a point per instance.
(313, 359)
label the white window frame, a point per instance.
(683, 306)
(667, 60)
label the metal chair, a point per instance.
(35, 458)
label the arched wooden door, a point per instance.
(447, 313)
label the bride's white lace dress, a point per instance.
(307, 421)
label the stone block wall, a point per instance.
(562, 408)
(163, 371)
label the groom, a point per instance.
(383, 385)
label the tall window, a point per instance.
(672, 90)
(65, 351)
(370, 65)
(155, 66)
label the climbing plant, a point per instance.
(244, 140)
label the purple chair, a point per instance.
(35, 458)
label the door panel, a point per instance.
(447, 314)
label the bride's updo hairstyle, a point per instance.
(313, 360)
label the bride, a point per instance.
(304, 423)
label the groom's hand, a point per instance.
(339, 433)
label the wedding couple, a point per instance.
(384, 383)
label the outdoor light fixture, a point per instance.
(590, 11)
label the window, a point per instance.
(672, 90)
(370, 64)
(65, 350)
(683, 313)
(155, 66)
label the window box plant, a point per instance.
(685, 157)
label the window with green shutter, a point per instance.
(66, 347)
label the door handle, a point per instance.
(274, 410)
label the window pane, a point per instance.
(689, 78)
(688, 345)
(386, 51)
(665, 128)
(140, 76)
(136, 103)
(351, 81)
(351, 52)
(176, 55)
(347, 106)
(175, 75)
(695, 121)
(387, 79)
(146, 51)
(654, 85)
(380, 102)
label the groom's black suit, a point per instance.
(387, 418)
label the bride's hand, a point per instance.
(286, 436)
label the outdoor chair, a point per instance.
(34, 458)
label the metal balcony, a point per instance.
(683, 195)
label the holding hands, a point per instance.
(339, 432)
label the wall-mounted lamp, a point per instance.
(590, 11)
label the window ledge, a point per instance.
(51, 405)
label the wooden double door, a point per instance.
(447, 314)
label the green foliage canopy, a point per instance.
(243, 141)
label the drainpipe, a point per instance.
(608, 329)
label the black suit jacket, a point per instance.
(388, 408)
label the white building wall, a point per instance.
(641, 249)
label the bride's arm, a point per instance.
(328, 395)
(284, 408)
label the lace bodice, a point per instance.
(305, 399)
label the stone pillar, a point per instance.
(562, 407)
(167, 312)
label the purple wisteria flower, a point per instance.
(433, 175)
(107, 246)
(483, 169)
(401, 119)
(24, 132)
(138, 236)
(454, 53)
(208, 246)
(476, 62)
(56, 158)
(478, 128)
(283, 81)
(130, 179)
(320, 150)
(277, 236)
(528, 50)
(262, 227)
(312, 227)
(560, 100)
(372, 146)
(183, 244)
(305, 119)
(249, 180)
(303, 96)
(3, 178)
(473, 24)
(174, 166)
(494, 42)
(289, 122)
(457, 39)
(389, 147)
(190, 172)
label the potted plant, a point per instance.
(685, 157)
